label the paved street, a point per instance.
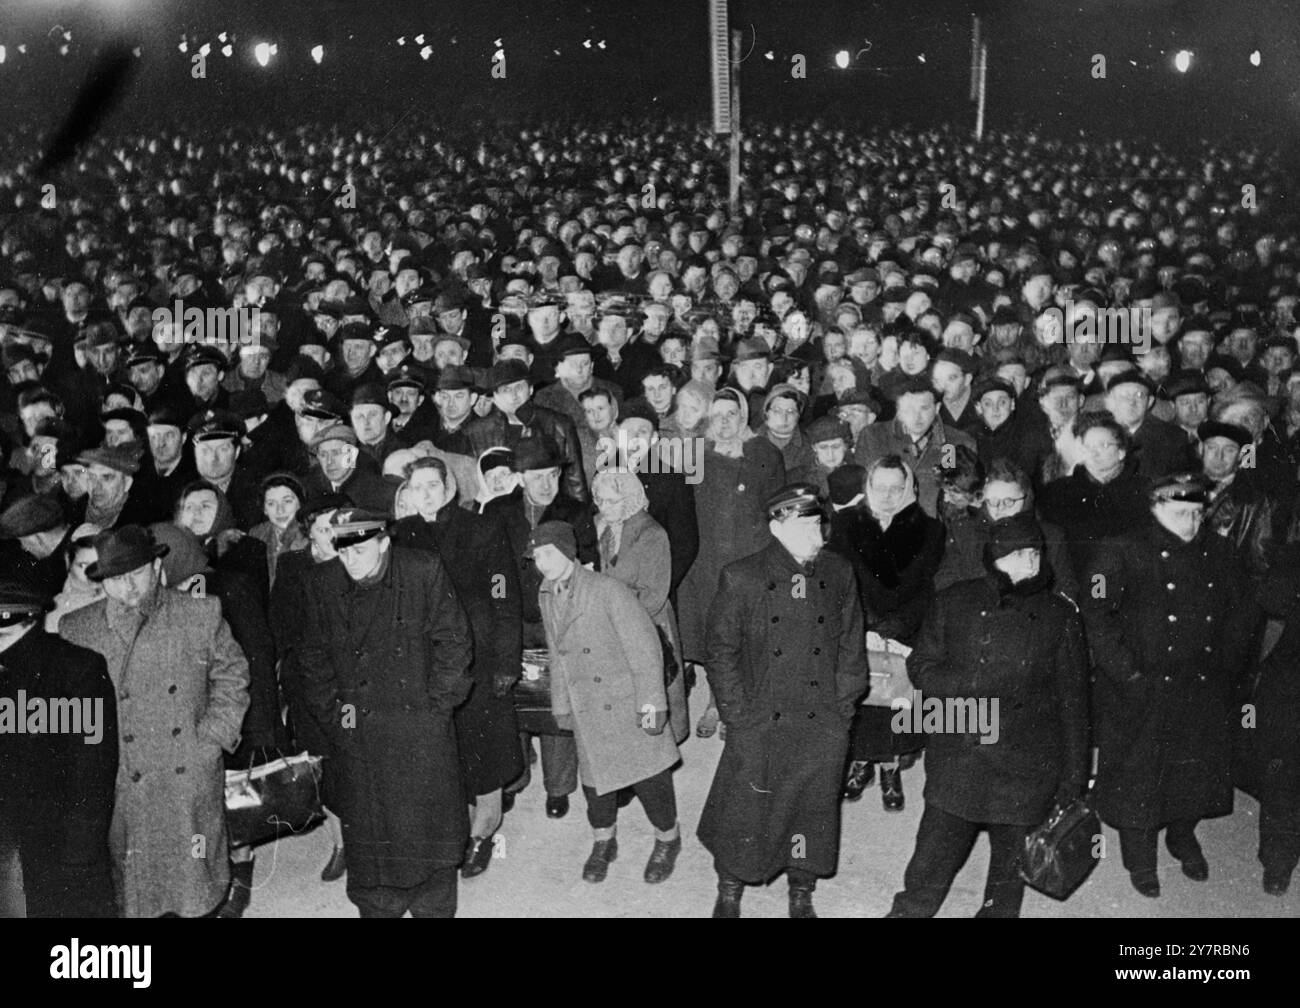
(538, 872)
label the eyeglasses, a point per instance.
(784, 410)
(332, 454)
(1002, 503)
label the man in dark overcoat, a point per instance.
(475, 550)
(1011, 643)
(1168, 617)
(56, 788)
(384, 660)
(787, 663)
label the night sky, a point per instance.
(655, 61)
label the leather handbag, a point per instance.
(532, 695)
(1063, 851)
(283, 794)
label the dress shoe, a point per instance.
(1277, 883)
(335, 867)
(662, 860)
(478, 855)
(1146, 882)
(1196, 868)
(801, 904)
(240, 893)
(860, 775)
(597, 866)
(730, 890)
(507, 800)
(557, 808)
(891, 790)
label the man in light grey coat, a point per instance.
(182, 691)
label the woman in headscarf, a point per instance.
(634, 549)
(238, 577)
(901, 548)
(738, 472)
(288, 603)
(78, 590)
(282, 498)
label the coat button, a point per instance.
(1209, 619)
(135, 777)
(595, 678)
(817, 650)
(1170, 586)
(776, 619)
(128, 738)
(776, 653)
(1164, 554)
(771, 586)
(175, 732)
(365, 711)
(363, 684)
(124, 696)
(740, 488)
(180, 769)
(586, 650)
(1169, 678)
(821, 619)
(1173, 618)
(812, 682)
(171, 688)
(776, 715)
(608, 707)
(1210, 584)
(811, 715)
(1208, 649)
(1169, 648)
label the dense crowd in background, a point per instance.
(500, 396)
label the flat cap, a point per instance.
(554, 533)
(30, 515)
(123, 458)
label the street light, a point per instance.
(263, 52)
(318, 53)
(842, 59)
(1182, 60)
(1254, 58)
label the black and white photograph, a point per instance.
(651, 459)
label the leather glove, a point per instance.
(502, 684)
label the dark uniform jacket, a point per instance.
(786, 663)
(1168, 626)
(383, 666)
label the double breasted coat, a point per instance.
(1024, 649)
(1169, 626)
(56, 790)
(477, 555)
(607, 675)
(383, 665)
(787, 663)
(182, 692)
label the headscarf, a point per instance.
(731, 447)
(701, 392)
(224, 532)
(626, 486)
(75, 595)
(885, 511)
(485, 494)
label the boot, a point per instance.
(861, 774)
(891, 789)
(602, 853)
(662, 860)
(730, 890)
(1276, 881)
(801, 892)
(1146, 882)
(478, 855)
(240, 893)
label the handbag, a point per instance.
(887, 665)
(281, 794)
(1062, 852)
(532, 695)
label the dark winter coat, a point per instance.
(477, 555)
(787, 664)
(383, 668)
(56, 790)
(1089, 512)
(1026, 651)
(1168, 625)
(559, 431)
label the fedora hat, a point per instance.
(122, 550)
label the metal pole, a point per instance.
(975, 60)
(983, 81)
(734, 195)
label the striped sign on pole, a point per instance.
(720, 65)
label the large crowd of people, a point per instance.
(407, 448)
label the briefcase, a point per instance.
(1063, 851)
(281, 795)
(532, 695)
